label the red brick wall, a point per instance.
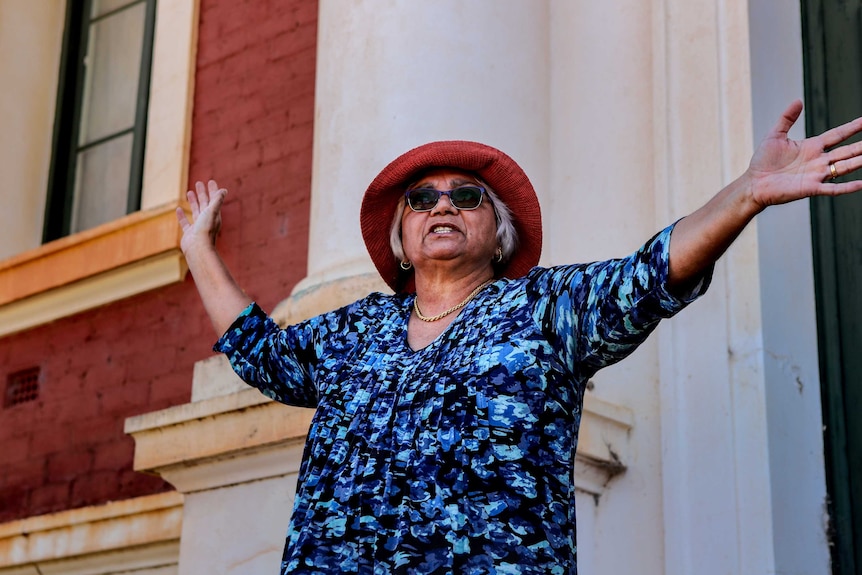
(252, 131)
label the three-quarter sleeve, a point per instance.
(599, 313)
(279, 362)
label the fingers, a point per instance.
(839, 189)
(204, 195)
(840, 133)
(844, 167)
(788, 118)
(843, 160)
(850, 152)
(193, 200)
(182, 219)
(217, 196)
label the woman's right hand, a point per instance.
(223, 299)
(205, 202)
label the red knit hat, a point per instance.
(497, 169)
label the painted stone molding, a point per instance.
(134, 534)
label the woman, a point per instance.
(447, 414)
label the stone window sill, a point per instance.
(133, 254)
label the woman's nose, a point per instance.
(444, 205)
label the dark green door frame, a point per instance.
(832, 41)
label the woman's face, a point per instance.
(446, 234)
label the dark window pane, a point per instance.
(100, 125)
(101, 7)
(113, 68)
(102, 183)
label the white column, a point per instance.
(392, 75)
(789, 317)
(602, 205)
(717, 505)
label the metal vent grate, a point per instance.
(22, 386)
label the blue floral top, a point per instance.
(455, 458)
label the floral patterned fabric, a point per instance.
(456, 458)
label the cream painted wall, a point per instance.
(715, 471)
(394, 75)
(601, 204)
(794, 416)
(236, 530)
(31, 35)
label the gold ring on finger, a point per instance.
(833, 170)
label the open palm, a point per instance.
(785, 170)
(205, 202)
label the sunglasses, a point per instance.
(463, 198)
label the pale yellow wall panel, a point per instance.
(31, 35)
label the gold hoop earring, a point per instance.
(499, 257)
(405, 265)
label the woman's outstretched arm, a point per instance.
(781, 171)
(221, 295)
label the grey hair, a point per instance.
(507, 235)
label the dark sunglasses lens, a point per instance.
(466, 197)
(422, 200)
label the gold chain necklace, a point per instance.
(454, 308)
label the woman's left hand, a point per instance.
(783, 170)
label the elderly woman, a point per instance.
(447, 414)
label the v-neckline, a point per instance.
(408, 314)
(457, 321)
